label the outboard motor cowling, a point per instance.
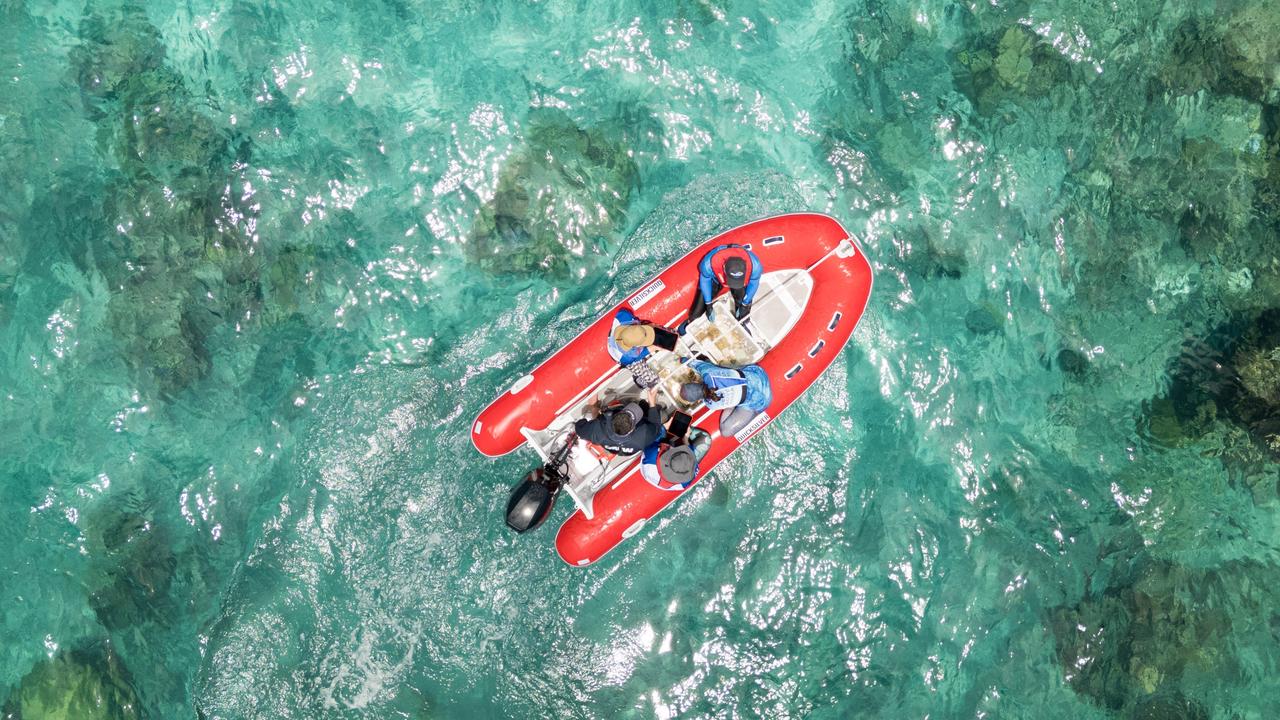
(531, 501)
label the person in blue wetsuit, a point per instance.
(741, 394)
(726, 266)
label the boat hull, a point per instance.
(842, 281)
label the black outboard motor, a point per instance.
(531, 501)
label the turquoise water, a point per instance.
(261, 263)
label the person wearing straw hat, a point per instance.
(633, 341)
(730, 266)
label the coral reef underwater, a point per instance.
(564, 191)
(87, 683)
(1075, 214)
(1148, 163)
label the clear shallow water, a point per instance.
(251, 300)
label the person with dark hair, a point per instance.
(732, 266)
(624, 427)
(742, 393)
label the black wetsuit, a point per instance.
(600, 431)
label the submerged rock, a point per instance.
(1260, 373)
(1253, 32)
(135, 564)
(147, 117)
(1130, 647)
(1254, 402)
(171, 248)
(1012, 64)
(929, 252)
(559, 196)
(1164, 424)
(881, 32)
(1172, 705)
(982, 321)
(86, 684)
(1072, 362)
(1201, 57)
(1233, 375)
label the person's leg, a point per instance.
(699, 307)
(740, 310)
(734, 419)
(699, 441)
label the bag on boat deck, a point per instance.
(644, 375)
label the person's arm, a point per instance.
(700, 367)
(634, 355)
(649, 455)
(753, 282)
(707, 289)
(588, 430)
(591, 410)
(650, 430)
(649, 406)
(652, 412)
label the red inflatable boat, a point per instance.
(813, 291)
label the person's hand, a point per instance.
(741, 311)
(684, 328)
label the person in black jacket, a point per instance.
(624, 428)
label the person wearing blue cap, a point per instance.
(732, 266)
